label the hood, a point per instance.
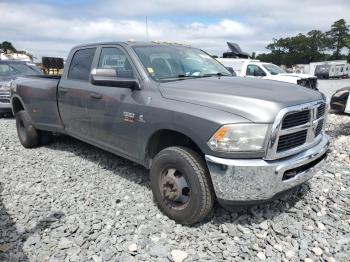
(254, 99)
(301, 76)
(7, 78)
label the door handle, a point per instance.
(63, 90)
(95, 95)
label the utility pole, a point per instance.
(146, 28)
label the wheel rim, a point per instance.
(21, 130)
(174, 188)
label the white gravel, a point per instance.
(72, 202)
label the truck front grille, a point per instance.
(321, 110)
(295, 129)
(319, 128)
(4, 97)
(291, 140)
(296, 119)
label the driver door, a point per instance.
(109, 106)
(255, 71)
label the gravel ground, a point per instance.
(72, 202)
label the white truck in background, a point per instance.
(243, 66)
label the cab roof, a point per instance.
(133, 43)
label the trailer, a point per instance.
(330, 69)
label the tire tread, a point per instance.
(207, 196)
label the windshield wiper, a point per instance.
(183, 77)
(215, 74)
(178, 77)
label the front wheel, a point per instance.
(181, 185)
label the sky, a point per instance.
(52, 27)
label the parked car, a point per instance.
(203, 134)
(10, 70)
(340, 101)
(241, 63)
(255, 68)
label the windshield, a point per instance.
(273, 69)
(20, 69)
(167, 63)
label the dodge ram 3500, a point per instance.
(204, 134)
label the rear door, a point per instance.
(74, 93)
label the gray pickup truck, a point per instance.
(204, 134)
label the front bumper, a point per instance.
(5, 107)
(255, 180)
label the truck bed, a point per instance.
(39, 94)
(44, 76)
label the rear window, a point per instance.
(80, 65)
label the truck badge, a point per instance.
(141, 119)
(129, 117)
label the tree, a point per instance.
(297, 49)
(7, 46)
(338, 37)
(317, 44)
(313, 46)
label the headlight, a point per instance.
(5, 86)
(239, 137)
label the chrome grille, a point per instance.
(321, 110)
(319, 128)
(295, 129)
(288, 141)
(296, 119)
(4, 96)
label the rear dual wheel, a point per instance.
(181, 185)
(28, 135)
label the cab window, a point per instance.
(115, 58)
(254, 70)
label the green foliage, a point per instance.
(7, 46)
(338, 37)
(312, 47)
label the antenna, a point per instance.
(146, 28)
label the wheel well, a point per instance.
(166, 138)
(16, 105)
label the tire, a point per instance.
(28, 135)
(198, 190)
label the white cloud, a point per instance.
(53, 30)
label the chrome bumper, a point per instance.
(5, 107)
(249, 180)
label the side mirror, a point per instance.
(109, 77)
(229, 68)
